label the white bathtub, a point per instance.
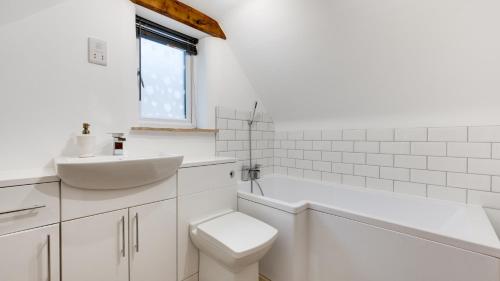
(336, 232)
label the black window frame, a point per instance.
(152, 31)
(164, 35)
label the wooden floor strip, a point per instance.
(262, 278)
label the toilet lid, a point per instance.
(238, 233)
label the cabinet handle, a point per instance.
(123, 236)
(22, 209)
(49, 261)
(137, 232)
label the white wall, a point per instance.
(221, 81)
(49, 89)
(365, 64)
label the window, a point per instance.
(165, 74)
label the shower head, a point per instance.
(253, 114)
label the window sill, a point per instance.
(174, 130)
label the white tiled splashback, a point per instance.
(232, 138)
(452, 163)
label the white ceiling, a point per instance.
(216, 9)
(12, 10)
(355, 61)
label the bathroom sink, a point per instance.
(116, 172)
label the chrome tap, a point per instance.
(118, 143)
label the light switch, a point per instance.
(98, 52)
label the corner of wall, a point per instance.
(232, 140)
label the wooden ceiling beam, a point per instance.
(185, 14)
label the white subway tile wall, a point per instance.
(453, 163)
(232, 141)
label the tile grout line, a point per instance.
(444, 172)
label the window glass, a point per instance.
(163, 72)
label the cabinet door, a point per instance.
(153, 248)
(30, 255)
(96, 248)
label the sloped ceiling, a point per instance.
(13, 10)
(355, 61)
(216, 9)
(358, 63)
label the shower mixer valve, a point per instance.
(250, 173)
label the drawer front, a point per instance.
(28, 206)
(203, 178)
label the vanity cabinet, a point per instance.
(50, 231)
(96, 247)
(101, 247)
(153, 241)
(30, 255)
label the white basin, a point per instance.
(116, 172)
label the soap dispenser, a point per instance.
(86, 142)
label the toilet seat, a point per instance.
(237, 234)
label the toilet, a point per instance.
(231, 245)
